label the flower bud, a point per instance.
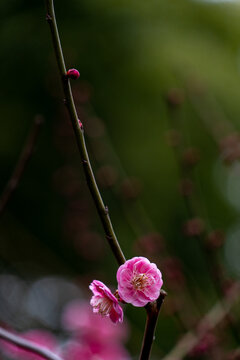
(73, 74)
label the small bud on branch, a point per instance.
(73, 74)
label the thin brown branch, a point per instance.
(102, 209)
(153, 310)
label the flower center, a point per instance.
(104, 306)
(140, 281)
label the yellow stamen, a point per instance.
(139, 281)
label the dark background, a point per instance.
(146, 67)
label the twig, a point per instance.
(28, 345)
(79, 134)
(153, 310)
(22, 163)
(208, 323)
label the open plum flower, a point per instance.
(139, 281)
(104, 302)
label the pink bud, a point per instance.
(73, 74)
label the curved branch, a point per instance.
(79, 135)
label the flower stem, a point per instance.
(28, 345)
(79, 135)
(153, 310)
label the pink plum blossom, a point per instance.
(139, 281)
(104, 302)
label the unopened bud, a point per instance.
(80, 124)
(73, 74)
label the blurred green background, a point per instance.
(159, 99)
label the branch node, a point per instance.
(48, 18)
(80, 124)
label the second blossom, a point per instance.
(104, 302)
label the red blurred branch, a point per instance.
(28, 345)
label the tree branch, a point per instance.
(153, 310)
(28, 345)
(79, 134)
